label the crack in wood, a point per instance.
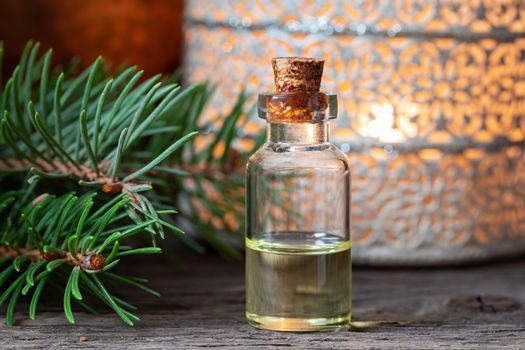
(483, 303)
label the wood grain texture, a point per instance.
(202, 305)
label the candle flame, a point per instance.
(382, 126)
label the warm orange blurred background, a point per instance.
(147, 33)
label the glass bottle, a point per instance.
(298, 248)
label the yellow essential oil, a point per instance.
(297, 287)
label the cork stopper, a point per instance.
(297, 74)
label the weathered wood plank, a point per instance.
(203, 304)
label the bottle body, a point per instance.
(298, 247)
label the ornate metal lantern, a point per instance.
(432, 105)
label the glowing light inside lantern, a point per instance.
(382, 126)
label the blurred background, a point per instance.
(431, 99)
(146, 33)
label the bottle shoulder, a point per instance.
(278, 156)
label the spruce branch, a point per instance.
(93, 160)
(209, 181)
(70, 131)
(44, 244)
(104, 108)
(48, 136)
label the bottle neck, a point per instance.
(298, 133)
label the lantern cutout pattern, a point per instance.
(431, 105)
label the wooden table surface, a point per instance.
(202, 305)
